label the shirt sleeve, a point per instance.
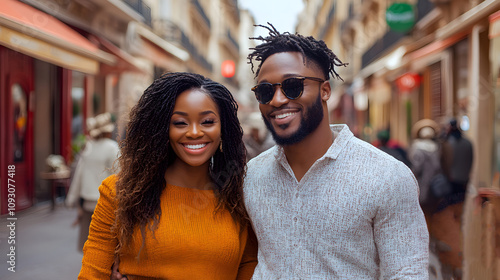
(400, 230)
(249, 258)
(98, 252)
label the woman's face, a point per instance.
(195, 128)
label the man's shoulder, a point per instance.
(264, 156)
(262, 161)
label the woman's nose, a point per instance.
(194, 131)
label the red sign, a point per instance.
(228, 68)
(408, 82)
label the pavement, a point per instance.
(45, 244)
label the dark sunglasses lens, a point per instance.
(264, 93)
(293, 87)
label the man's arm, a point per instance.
(400, 230)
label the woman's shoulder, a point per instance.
(108, 185)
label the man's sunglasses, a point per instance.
(292, 88)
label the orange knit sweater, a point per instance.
(189, 243)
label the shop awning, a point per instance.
(124, 61)
(494, 25)
(144, 43)
(37, 34)
(391, 61)
(437, 46)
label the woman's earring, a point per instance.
(220, 146)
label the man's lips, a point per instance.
(283, 117)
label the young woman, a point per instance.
(175, 208)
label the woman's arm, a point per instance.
(249, 258)
(98, 252)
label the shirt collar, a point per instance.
(341, 136)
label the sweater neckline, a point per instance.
(187, 189)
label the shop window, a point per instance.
(77, 121)
(20, 106)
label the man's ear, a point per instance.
(326, 91)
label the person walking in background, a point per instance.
(446, 223)
(175, 208)
(323, 203)
(457, 158)
(424, 155)
(392, 148)
(94, 165)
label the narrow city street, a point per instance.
(45, 244)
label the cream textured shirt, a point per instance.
(354, 215)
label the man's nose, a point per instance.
(279, 97)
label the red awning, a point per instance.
(437, 46)
(494, 25)
(37, 34)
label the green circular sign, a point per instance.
(400, 17)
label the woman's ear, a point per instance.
(326, 91)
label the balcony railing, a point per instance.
(423, 8)
(329, 20)
(200, 10)
(233, 41)
(193, 51)
(141, 8)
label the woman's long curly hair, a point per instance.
(146, 153)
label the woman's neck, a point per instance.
(183, 175)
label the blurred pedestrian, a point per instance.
(446, 223)
(424, 155)
(175, 209)
(457, 158)
(258, 140)
(94, 165)
(386, 144)
(325, 204)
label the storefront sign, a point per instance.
(408, 82)
(400, 17)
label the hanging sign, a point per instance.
(408, 82)
(400, 17)
(228, 68)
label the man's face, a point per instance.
(290, 121)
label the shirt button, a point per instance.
(297, 195)
(294, 219)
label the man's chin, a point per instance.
(283, 139)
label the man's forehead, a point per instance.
(293, 57)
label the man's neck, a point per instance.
(301, 156)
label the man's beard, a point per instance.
(309, 123)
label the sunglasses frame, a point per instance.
(282, 90)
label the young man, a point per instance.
(324, 204)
